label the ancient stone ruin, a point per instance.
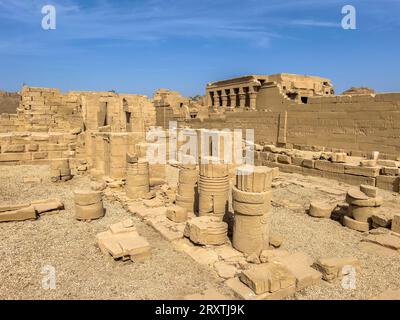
(286, 180)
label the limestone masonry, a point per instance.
(222, 214)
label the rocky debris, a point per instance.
(88, 205)
(207, 230)
(154, 203)
(122, 241)
(98, 186)
(320, 209)
(253, 258)
(225, 270)
(275, 240)
(384, 238)
(335, 268)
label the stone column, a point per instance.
(253, 98)
(224, 99)
(216, 101)
(242, 98)
(252, 204)
(233, 98)
(213, 188)
(137, 181)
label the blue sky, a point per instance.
(139, 46)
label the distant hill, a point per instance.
(9, 102)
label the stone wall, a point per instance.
(355, 124)
(31, 148)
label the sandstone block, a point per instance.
(87, 197)
(335, 268)
(207, 231)
(251, 209)
(329, 166)
(370, 191)
(355, 225)
(362, 214)
(89, 212)
(27, 213)
(267, 277)
(251, 197)
(320, 209)
(177, 214)
(396, 223)
(362, 171)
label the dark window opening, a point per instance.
(304, 99)
(128, 117)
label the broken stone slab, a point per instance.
(335, 268)
(123, 241)
(25, 213)
(244, 292)
(267, 277)
(42, 206)
(270, 254)
(227, 253)
(382, 219)
(207, 230)
(225, 270)
(153, 203)
(320, 209)
(13, 207)
(370, 191)
(388, 240)
(201, 255)
(299, 264)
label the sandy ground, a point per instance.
(83, 272)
